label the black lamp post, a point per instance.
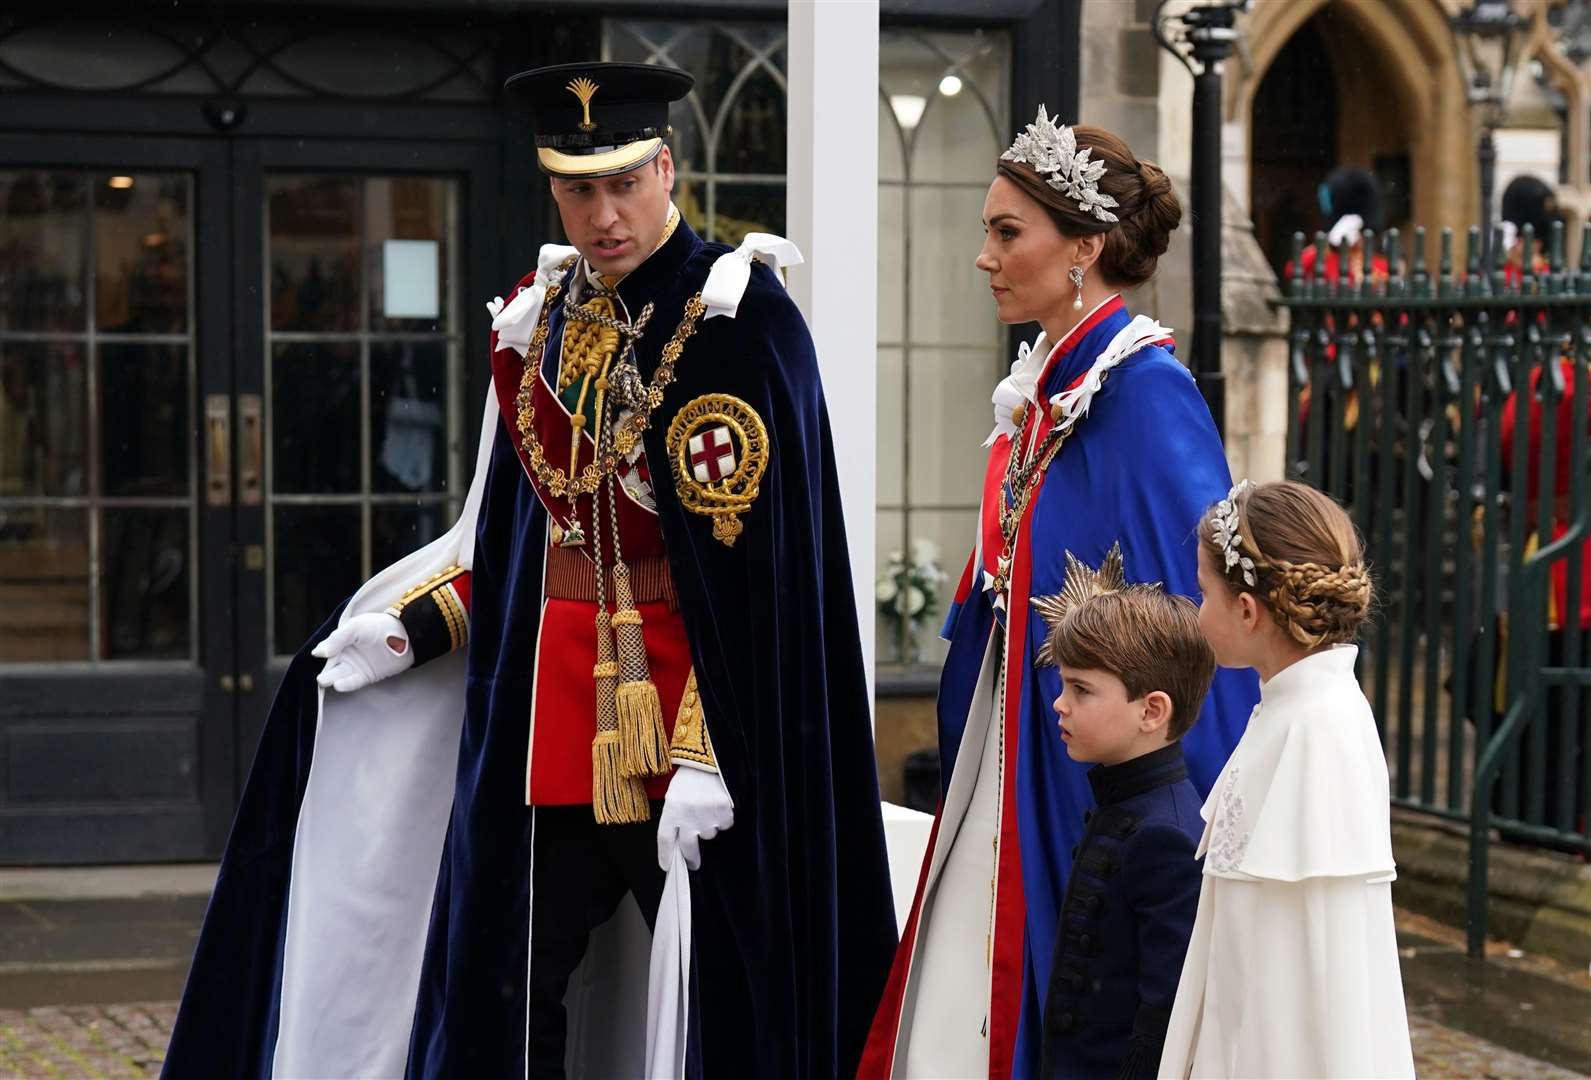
(1485, 34)
(1206, 35)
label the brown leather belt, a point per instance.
(573, 576)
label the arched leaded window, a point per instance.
(729, 133)
(943, 120)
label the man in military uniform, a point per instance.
(645, 617)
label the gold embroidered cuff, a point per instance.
(691, 745)
(438, 625)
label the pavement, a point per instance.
(92, 963)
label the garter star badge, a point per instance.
(718, 449)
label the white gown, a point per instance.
(1292, 969)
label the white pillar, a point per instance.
(833, 218)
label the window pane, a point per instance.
(407, 222)
(945, 539)
(950, 301)
(147, 434)
(890, 639)
(408, 416)
(948, 418)
(44, 585)
(891, 434)
(891, 150)
(141, 253)
(744, 208)
(752, 136)
(892, 266)
(316, 568)
(147, 585)
(315, 418)
(314, 252)
(398, 530)
(42, 244)
(42, 430)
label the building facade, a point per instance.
(244, 256)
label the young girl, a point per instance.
(1292, 970)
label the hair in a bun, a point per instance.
(1146, 206)
(1308, 563)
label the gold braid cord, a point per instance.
(1024, 481)
(558, 484)
(616, 799)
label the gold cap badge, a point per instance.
(585, 90)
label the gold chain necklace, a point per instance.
(1023, 481)
(558, 483)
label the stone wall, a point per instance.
(1134, 88)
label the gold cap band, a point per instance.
(607, 163)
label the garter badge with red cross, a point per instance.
(718, 449)
(712, 454)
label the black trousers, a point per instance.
(583, 871)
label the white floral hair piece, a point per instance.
(1227, 536)
(1052, 149)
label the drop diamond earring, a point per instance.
(1076, 274)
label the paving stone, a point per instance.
(90, 1043)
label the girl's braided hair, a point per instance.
(1308, 564)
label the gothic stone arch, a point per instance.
(1408, 51)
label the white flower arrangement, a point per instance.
(907, 590)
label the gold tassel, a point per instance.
(643, 738)
(616, 799)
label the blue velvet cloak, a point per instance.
(792, 908)
(1140, 469)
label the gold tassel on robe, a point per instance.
(616, 798)
(643, 738)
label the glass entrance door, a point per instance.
(363, 362)
(114, 742)
(232, 385)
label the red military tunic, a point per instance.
(563, 720)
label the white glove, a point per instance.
(696, 808)
(357, 653)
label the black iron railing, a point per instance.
(1448, 411)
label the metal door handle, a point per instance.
(218, 449)
(251, 448)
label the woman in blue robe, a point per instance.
(1100, 436)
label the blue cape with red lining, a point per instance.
(1141, 468)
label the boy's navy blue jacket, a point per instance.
(1125, 923)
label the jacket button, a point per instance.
(1066, 1021)
(1086, 943)
(1093, 903)
(1077, 983)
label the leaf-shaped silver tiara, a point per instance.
(1051, 149)
(1228, 538)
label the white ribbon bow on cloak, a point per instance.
(516, 320)
(726, 281)
(1135, 335)
(1073, 403)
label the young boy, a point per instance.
(1134, 670)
